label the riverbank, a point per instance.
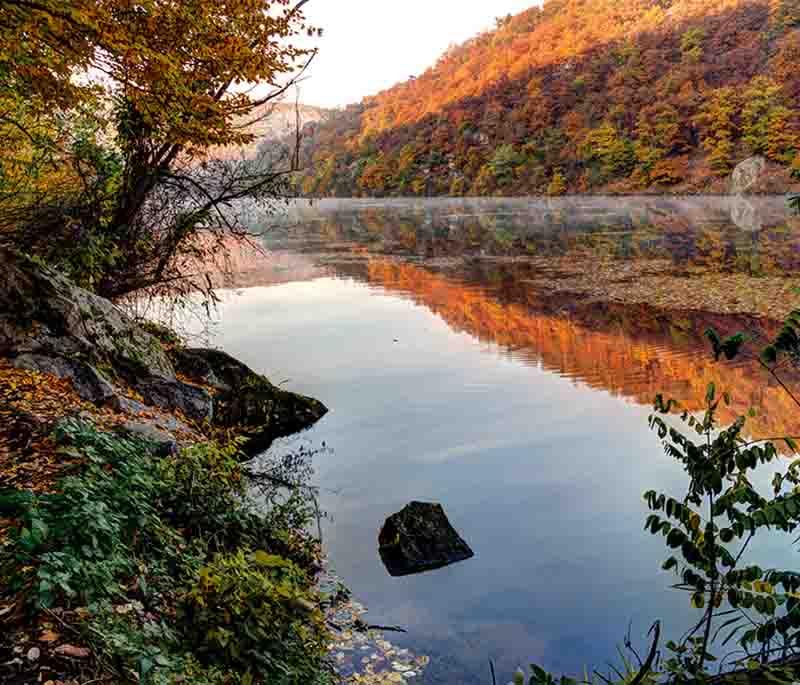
(131, 547)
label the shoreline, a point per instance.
(61, 437)
(124, 494)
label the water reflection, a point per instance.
(541, 472)
(630, 351)
(747, 234)
(453, 378)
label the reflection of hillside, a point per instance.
(631, 351)
(704, 232)
(244, 266)
(634, 361)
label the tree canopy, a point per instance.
(109, 110)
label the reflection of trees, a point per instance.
(632, 352)
(692, 232)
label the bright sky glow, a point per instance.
(369, 45)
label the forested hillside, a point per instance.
(581, 96)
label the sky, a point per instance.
(369, 45)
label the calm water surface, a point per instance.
(528, 423)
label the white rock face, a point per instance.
(746, 174)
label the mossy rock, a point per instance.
(246, 401)
(43, 313)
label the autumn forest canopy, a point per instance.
(581, 96)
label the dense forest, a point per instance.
(580, 96)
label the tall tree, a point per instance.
(174, 79)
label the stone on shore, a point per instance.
(246, 400)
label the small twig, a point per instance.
(66, 625)
(387, 629)
(648, 664)
(780, 381)
(742, 550)
(491, 668)
(629, 644)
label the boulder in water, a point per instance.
(420, 538)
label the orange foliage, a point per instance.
(635, 364)
(546, 80)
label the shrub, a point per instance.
(203, 493)
(256, 607)
(81, 539)
(135, 532)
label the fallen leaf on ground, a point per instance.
(73, 651)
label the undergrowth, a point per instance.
(175, 575)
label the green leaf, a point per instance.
(145, 666)
(669, 564)
(732, 346)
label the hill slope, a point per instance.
(580, 95)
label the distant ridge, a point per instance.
(273, 121)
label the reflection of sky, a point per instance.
(541, 475)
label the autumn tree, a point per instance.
(376, 176)
(504, 164)
(171, 81)
(658, 135)
(612, 151)
(760, 99)
(692, 44)
(785, 14)
(717, 119)
(767, 123)
(406, 167)
(558, 184)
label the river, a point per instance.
(455, 376)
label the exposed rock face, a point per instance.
(420, 538)
(746, 174)
(248, 401)
(168, 393)
(212, 367)
(50, 325)
(43, 313)
(87, 381)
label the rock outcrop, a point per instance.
(420, 538)
(246, 400)
(49, 324)
(747, 174)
